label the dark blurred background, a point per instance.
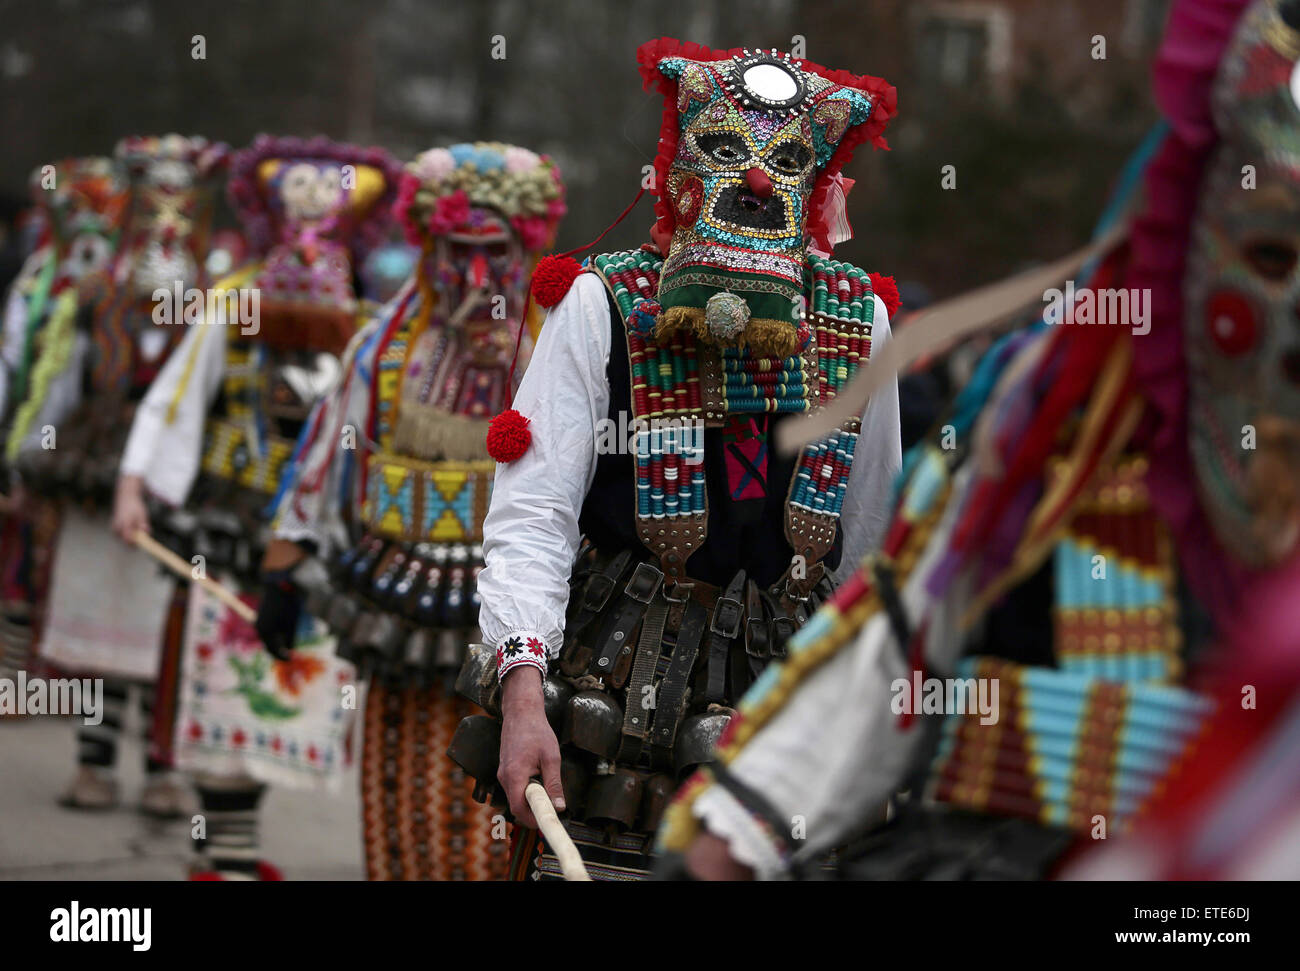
(1007, 91)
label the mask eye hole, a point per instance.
(723, 148)
(789, 158)
(1272, 259)
(1230, 320)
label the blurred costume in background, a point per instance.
(108, 603)
(211, 440)
(392, 486)
(642, 430)
(81, 200)
(1232, 812)
(1109, 483)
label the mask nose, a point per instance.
(759, 183)
(478, 271)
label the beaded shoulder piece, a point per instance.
(684, 386)
(1091, 736)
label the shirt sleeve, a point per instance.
(876, 463)
(530, 536)
(836, 747)
(166, 440)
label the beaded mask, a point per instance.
(172, 181)
(83, 208)
(312, 207)
(751, 142)
(1243, 295)
(480, 213)
(173, 184)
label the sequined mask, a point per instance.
(1243, 296)
(755, 131)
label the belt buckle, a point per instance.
(644, 583)
(597, 593)
(727, 624)
(680, 592)
(783, 628)
(793, 595)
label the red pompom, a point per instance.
(886, 289)
(508, 436)
(552, 279)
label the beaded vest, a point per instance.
(683, 387)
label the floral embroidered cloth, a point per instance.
(242, 712)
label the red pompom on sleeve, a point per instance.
(886, 289)
(508, 436)
(552, 279)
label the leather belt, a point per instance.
(640, 707)
(724, 627)
(782, 626)
(757, 632)
(599, 586)
(616, 634)
(671, 700)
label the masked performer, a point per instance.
(81, 200)
(643, 423)
(225, 411)
(108, 606)
(1113, 481)
(400, 518)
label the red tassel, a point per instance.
(508, 436)
(886, 289)
(552, 279)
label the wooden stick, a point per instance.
(186, 570)
(554, 833)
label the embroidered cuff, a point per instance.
(520, 647)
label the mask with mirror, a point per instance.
(750, 143)
(1242, 313)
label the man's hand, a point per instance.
(129, 513)
(709, 858)
(528, 746)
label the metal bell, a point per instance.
(594, 723)
(615, 798)
(555, 698)
(477, 680)
(476, 748)
(696, 740)
(657, 794)
(574, 780)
